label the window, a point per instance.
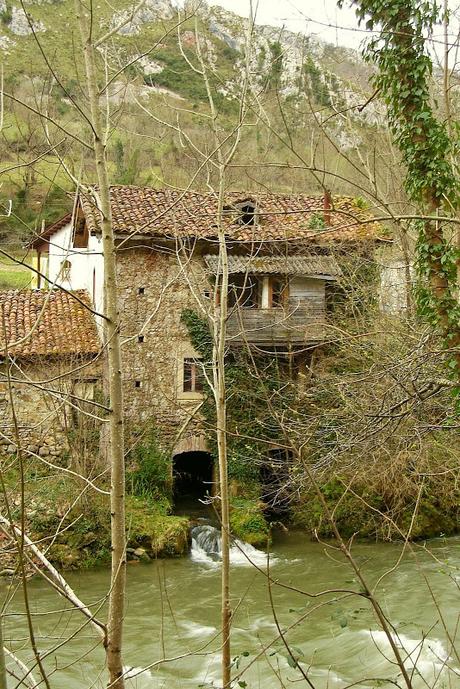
(140, 338)
(193, 375)
(137, 383)
(81, 234)
(141, 290)
(248, 213)
(279, 292)
(245, 291)
(66, 268)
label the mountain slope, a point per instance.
(302, 91)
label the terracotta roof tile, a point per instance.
(47, 323)
(171, 213)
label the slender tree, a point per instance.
(112, 340)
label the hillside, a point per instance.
(301, 114)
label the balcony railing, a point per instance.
(277, 326)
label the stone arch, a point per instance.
(274, 478)
(193, 471)
(191, 443)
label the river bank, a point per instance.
(71, 521)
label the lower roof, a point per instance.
(47, 323)
(308, 266)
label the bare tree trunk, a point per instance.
(221, 416)
(112, 342)
(3, 684)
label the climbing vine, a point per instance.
(250, 423)
(404, 69)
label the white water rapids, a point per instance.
(207, 549)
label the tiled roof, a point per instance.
(47, 323)
(171, 213)
(281, 265)
(50, 229)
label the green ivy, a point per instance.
(148, 473)
(403, 79)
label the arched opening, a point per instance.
(65, 270)
(193, 479)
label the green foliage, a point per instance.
(351, 515)
(315, 84)
(128, 168)
(377, 509)
(399, 50)
(149, 469)
(250, 421)
(317, 222)
(360, 203)
(198, 330)
(177, 76)
(80, 522)
(403, 78)
(276, 65)
(6, 15)
(261, 55)
(230, 53)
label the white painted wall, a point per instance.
(87, 265)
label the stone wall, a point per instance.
(153, 291)
(46, 397)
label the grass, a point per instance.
(13, 275)
(11, 279)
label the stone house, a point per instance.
(50, 367)
(284, 254)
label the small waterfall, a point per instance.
(207, 548)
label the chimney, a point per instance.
(327, 207)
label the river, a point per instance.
(173, 610)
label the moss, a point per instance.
(83, 528)
(371, 514)
(247, 521)
(151, 527)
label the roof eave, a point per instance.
(43, 238)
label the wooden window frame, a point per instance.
(284, 292)
(81, 234)
(196, 384)
(192, 390)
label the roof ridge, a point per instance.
(174, 213)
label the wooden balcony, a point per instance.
(277, 326)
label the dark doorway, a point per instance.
(193, 476)
(274, 477)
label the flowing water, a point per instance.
(172, 618)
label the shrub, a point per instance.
(149, 474)
(317, 222)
